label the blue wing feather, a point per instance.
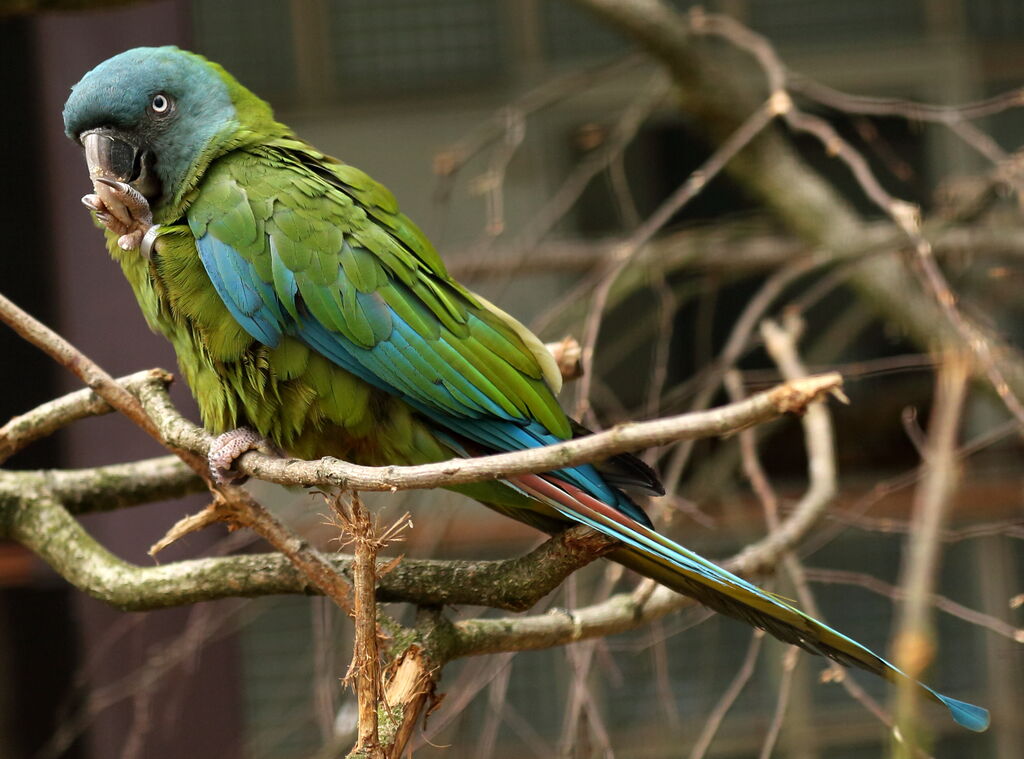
(249, 299)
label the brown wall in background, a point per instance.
(195, 710)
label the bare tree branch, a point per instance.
(46, 419)
(751, 127)
(117, 486)
(791, 397)
(896, 593)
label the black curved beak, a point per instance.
(114, 155)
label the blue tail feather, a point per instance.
(759, 607)
(967, 715)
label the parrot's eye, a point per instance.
(160, 104)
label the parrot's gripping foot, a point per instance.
(122, 209)
(226, 449)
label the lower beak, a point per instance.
(110, 155)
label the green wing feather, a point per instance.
(328, 242)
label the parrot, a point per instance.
(307, 310)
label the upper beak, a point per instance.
(111, 154)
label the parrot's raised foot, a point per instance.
(226, 449)
(122, 209)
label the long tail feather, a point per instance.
(681, 569)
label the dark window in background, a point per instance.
(370, 48)
(832, 22)
(39, 667)
(995, 19)
(250, 38)
(391, 46)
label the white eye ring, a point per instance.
(160, 104)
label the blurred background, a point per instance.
(477, 114)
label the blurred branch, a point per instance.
(596, 161)
(451, 160)
(729, 696)
(896, 593)
(789, 662)
(735, 248)
(751, 127)
(735, 345)
(116, 486)
(914, 642)
(819, 439)
(956, 118)
(1010, 528)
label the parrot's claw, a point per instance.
(226, 449)
(122, 209)
(93, 203)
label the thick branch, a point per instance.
(104, 577)
(32, 516)
(119, 486)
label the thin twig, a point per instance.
(906, 216)
(780, 343)
(105, 386)
(735, 345)
(46, 419)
